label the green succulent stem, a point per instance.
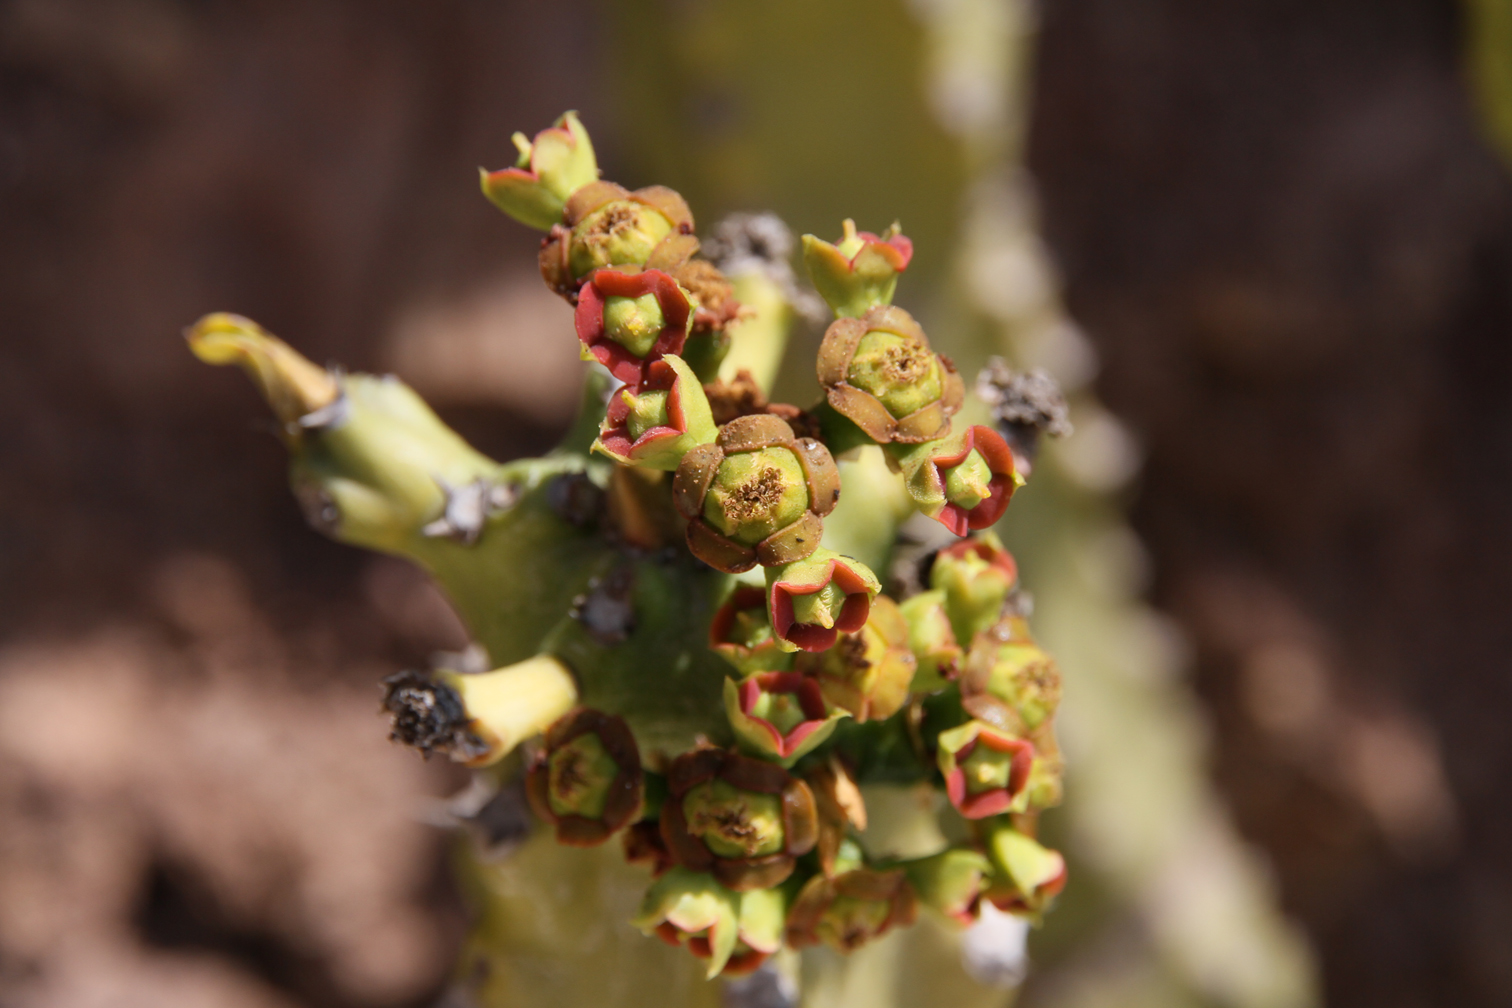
(759, 340)
(510, 704)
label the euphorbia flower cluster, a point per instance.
(726, 723)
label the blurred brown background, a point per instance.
(1277, 221)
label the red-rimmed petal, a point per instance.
(659, 377)
(742, 598)
(811, 637)
(810, 700)
(996, 801)
(588, 319)
(999, 458)
(897, 250)
(524, 175)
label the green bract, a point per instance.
(550, 169)
(1026, 875)
(861, 271)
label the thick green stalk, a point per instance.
(758, 341)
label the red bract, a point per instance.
(810, 700)
(897, 249)
(730, 633)
(953, 451)
(956, 747)
(589, 319)
(807, 577)
(685, 421)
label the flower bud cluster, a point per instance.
(884, 384)
(742, 793)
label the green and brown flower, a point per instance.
(757, 494)
(1009, 681)
(879, 372)
(742, 819)
(604, 225)
(851, 909)
(586, 780)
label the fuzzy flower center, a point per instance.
(734, 823)
(987, 769)
(578, 777)
(902, 373)
(755, 494)
(621, 233)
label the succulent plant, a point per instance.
(721, 722)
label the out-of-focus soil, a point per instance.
(1280, 225)
(198, 805)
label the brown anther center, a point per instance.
(757, 496)
(704, 281)
(568, 774)
(905, 362)
(733, 823)
(617, 220)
